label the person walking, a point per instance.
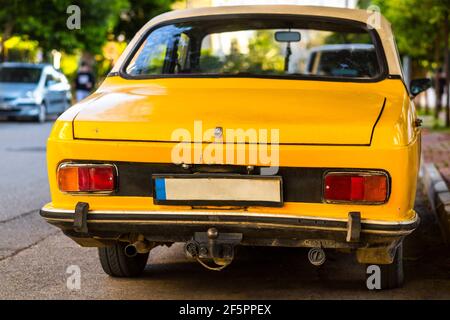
(84, 82)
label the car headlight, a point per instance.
(30, 97)
(30, 94)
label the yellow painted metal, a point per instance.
(308, 112)
(395, 145)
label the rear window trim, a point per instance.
(379, 49)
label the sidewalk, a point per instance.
(436, 149)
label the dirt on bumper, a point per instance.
(374, 243)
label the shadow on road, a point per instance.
(261, 271)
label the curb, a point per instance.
(438, 195)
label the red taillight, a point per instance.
(356, 187)
(86, 178)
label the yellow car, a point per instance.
(284, 126)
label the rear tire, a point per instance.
(392, 276)
(115, 263)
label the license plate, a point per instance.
(218, 190)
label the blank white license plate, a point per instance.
(226, 190)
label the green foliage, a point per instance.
(98, 18)
(13, 15)
(45, 21)
(235, 61)
(264, 55)
(417, 25)
(340, 38)
(138, 13)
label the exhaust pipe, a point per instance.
(130, 251)
(133, 249)
(316, 256)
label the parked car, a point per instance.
(32, 91)
(139, 163)
(351, 60)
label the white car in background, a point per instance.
(32, 91)
(343, 60)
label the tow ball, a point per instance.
(213, 245)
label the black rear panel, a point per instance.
(299, 184)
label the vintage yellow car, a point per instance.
(284, 126)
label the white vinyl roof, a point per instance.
(373, 20)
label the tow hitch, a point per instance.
(212, 245)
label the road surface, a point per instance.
(35, 257)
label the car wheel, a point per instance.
(392, 274)
(42, 115)
(115, 263)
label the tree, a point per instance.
(13, 15)
(415, 24)
(419, 29)
(139, 12)
(265, 53)
(46, 22)
(98, 19)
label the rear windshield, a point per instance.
(263, 46)
(19, 74)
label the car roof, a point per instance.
(319, 11)
(383, 27)
(25, 64)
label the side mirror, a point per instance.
(419, 85)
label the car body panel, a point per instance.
(334, 125)
(306, 113)
(402, 166)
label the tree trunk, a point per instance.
(3, 57)
(437, 76)
(2, 51)
(447, 70)
(7, 33)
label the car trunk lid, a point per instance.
(303, 112)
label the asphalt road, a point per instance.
(34, 257)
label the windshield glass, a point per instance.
(264, 46)
(19, 74)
